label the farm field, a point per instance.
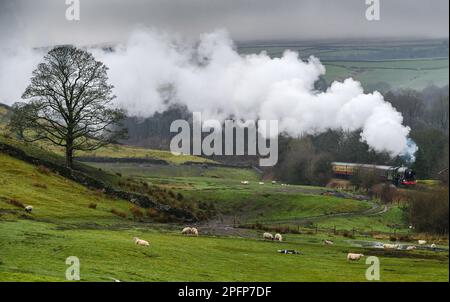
(400, 64)
(62, 225)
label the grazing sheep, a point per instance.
(189, 231)
(141, 242)
(433, 246)
(194, 231)
(422, 242)
(354, 257)
(186, 231)
(410, 248)
(28, 209)
(267, 236)
(244, 182)
(328, 242)
(274, 182)
(278, 237)
(390, 246)
(292, 252)
(261, 183)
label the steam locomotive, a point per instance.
(399, 176)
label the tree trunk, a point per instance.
(69, 156)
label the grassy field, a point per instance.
(415, 74)
(37, 251)
(123, 151)
(34, 246)
(401, 64)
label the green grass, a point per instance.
(37, 251)
(53, 197)
(416, 74)
(123, 151)
(34, 246)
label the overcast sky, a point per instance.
(43, 23)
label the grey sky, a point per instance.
(42, 22)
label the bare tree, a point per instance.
(70, 103)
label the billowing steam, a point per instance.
(153, 70)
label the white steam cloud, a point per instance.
(211, 77)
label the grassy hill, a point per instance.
(71, 219)
(34, 246)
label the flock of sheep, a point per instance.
(246, 182)
(192, 231)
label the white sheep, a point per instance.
(328, 242)
(410, 248)
(194, 231)
(433, 246)
(28, 209)
(261, 183)
(354, 257)
(244, 182)
(422, 242)
(186, 231)
(138, 241)
(274, 182)
(278, 237)
(267, 236)
(390, 246)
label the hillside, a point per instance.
(93, 213)
(63, 225)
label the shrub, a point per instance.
(429, 211)
(44, 170)
(348, 234)
(16, 203)
(92, 205)
(136, 212)
(119, 213)
(152, 213)
(39, 185)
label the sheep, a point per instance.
(28, 209)
(186, 231)
(267, 236)
(354, 257)
(410, 248)
(422, 242)
(194, 231)
(328, 242)
(261, 183)
(390, 246)
(433, 246)
(244, 182)
(189, 231)
(138, 241)
(274, 182)
(278, 237)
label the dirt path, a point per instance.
(225, 224)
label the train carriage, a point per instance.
(399, 176)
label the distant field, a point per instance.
(400, 64)
(398, 73)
